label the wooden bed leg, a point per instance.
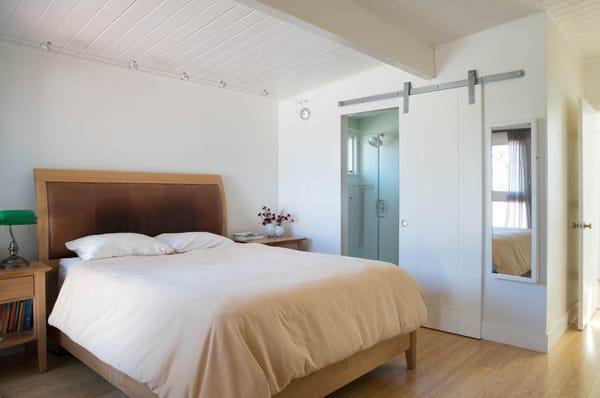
(411, 353)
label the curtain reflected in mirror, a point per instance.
(512, 223)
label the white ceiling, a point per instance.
(210, 40)
(221, 40)
(440, 21)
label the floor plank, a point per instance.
(447, 366)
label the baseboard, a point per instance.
(515, 336)
(559, 328)
(541, 342)
(572, 314)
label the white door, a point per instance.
(589, 200)
(441, 206)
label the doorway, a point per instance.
(589, 212)
(372, 185)
(437, 215)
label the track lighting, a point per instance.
(303, 110)
(133, 65)
(47, 45)
(185, 77)
(265, 93)
(304, 113)
(222, 84)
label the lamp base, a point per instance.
(13, 261)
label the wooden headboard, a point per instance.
(75, 203)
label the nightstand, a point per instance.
(24, 283)
(290, 242)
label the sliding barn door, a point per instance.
(441, 194)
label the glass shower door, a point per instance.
(373, 186)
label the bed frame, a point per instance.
(74, 203)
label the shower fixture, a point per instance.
(376, 141)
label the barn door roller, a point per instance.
(472, 78)
(471, 81)
(406, 92)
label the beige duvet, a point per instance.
(511, 251)
(237, 321)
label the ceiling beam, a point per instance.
(347, 23)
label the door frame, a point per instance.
(344, 113)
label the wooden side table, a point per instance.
(290, 242)
(25, 283)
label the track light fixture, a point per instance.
(302, 109)
(133, 65)
(47, 45)
(185, 77)
(265, 93)
(222, 84)
(304, 113)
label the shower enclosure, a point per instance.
(372, 185)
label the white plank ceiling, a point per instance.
(223, 43)
(440, 21)
(216, 42)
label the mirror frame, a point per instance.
(535, 208)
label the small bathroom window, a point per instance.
(351, 155)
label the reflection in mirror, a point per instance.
(512, 215)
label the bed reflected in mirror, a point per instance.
(513, 201)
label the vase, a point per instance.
(279, 231)
(270, 230)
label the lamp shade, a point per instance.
(17, 217)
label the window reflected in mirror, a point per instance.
(511, 185)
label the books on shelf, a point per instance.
(16, 316)
(247, 236)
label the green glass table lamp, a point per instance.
(10, 218)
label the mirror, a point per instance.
(513, 201)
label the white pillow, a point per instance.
(93, 247)
(186, 241)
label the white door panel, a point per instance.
(589, 203)
(441, 202)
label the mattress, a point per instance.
(242, 320)
(64, 266)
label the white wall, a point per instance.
(64, 113)
(309, 153)
(592, 83)
(565, 86)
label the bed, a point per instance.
(242, 320)
(512, 251)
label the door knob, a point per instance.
(404, 223)
(582, 226)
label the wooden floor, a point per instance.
(448, 366)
